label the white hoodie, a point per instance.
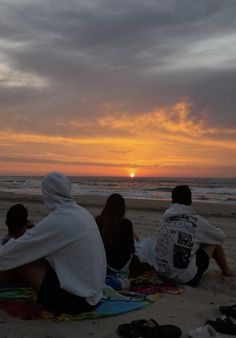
(180, 234)
(68, 238)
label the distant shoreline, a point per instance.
(98, 201)
(212, 191)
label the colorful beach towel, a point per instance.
(21, 302)
(148, 283)
(151, 283)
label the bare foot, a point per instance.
(229, 273)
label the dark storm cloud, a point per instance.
(121, 52)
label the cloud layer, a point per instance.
(112, 74)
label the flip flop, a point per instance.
(128, 331)
(223, 325)
(151, 329)
(228, 310)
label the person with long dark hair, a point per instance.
(122, 245)
(117, 233)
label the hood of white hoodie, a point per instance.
(178, 209)
(56, 189)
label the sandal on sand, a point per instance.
(148, 329)
(228, 310)
(223, 325)
(206, 331)
(128, 331)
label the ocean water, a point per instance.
(218, 190)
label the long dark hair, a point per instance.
(111, 218)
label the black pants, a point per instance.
(61, 301)
(202, 261)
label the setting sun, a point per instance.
(132, 174)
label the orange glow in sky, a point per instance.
(165, 142)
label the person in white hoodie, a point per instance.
(62, 257)
(186, 242)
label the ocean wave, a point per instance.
(164, 189)
(231, 199)
(203, 198)
(221, 191)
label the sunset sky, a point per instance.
(95, 87)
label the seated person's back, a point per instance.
(186, 242)
(116, 232)
(64, 251)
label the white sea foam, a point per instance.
(209, 190)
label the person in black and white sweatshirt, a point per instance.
(186, 242)
(62, 257)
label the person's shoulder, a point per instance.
(98, 217)
(5, 239)
(201, 221)
(98, 220)
(127, 222)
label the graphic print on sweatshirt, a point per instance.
(176, 240)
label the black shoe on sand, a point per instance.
(148, 329)
(223, 325)
(228, 310)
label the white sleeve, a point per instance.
(207, 233)
(38, 242)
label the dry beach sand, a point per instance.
(188, 310)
